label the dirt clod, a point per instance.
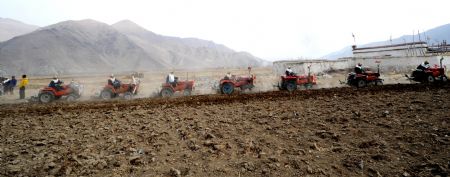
(175, 172)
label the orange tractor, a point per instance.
(228, 85)
(69, 92)
(168, 89)
(127, 91)
(291, 81)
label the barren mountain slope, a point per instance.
(186, 52)
(10, 28)
(74, 47)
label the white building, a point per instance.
(396, 50)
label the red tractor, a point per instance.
(70, 92)
(228, 85)
(365, 78)
(127, 91)
(291, 82)
(169, 89)
(430, 75)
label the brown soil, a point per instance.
(391, 130)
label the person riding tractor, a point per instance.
(171, 79)
(359, 69)
(113, 81)
(289, 72)
(56, 84)
(423, 66)
(228, 76)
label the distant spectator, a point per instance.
(12, 84)
(23, 83)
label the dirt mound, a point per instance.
(392, 130)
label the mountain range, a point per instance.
(432, 36)
(89, 46)
(10, 28)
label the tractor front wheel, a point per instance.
(106, 94)
(291, 86)
(166, 92)
(187, 92)
(430, 79)
(46, 97)
(444, 78)
(128, 95)
(227, 88)
(71, 97)
(378, 82)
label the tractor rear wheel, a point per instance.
(106, 94)
(430, 79)
(361, 83)
(166, 92)
(46, 97)
(227, 88)
(291, 86)
(128, 95)
(187, 92)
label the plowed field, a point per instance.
(391, 130)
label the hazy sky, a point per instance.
(270, 29)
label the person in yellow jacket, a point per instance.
(23, 83)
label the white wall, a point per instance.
(387, 64)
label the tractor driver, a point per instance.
(113, 81)
(289, 71)
(228, 76)
(171, 79)
(56, 84)
(423, 66)
(359, 69)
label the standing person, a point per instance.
(23, 83)
(12, 84)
